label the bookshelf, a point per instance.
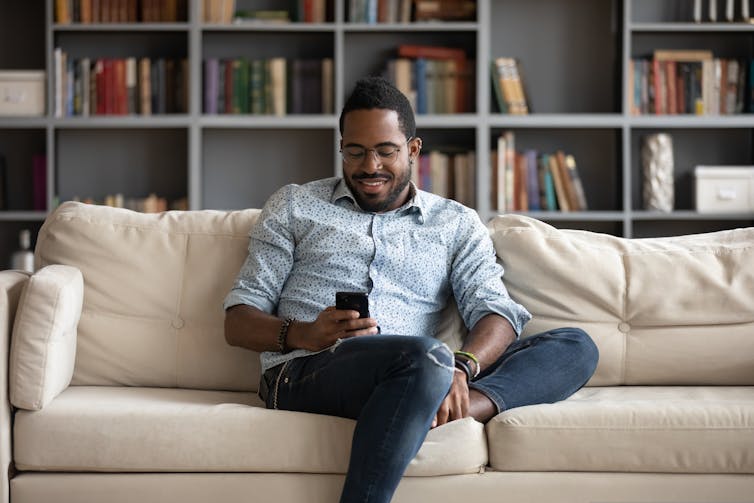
(575, 55)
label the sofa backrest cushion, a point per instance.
(663, 311)
(43, 346)
(153, 291)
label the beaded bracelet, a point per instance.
(283, 335)
(470, 357)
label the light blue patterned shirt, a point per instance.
(313, 240)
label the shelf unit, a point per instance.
(575, 55)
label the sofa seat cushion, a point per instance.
(630, 429)
(120, 429)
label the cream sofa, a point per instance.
(126, 390)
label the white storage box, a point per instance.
(724, 189)
(22, 93)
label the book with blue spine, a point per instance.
(420, 79)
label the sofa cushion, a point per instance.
(665, 311)
(43, 347)
(630, 429)
(155, 283)
(114, 429)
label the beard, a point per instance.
(369, 203)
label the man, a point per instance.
(373, 231)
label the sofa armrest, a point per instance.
(11, 285)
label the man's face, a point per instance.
(377, 158)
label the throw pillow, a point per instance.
(43, 346)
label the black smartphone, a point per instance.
(357, 301)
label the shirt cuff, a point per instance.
(236, 297)
(515, 313)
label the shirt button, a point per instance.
(624, 327)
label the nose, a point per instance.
(372, 159)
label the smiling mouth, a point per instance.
(371, 182)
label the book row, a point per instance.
(150, 204)
(534, 181)
(447, 174)
(120, 11)
(731, 13)
(437, 80)
(119, 86)
(690, 82)
(298, 11)
(274, 86)
(400, 11)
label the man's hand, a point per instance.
(331, 324)
(456, 403)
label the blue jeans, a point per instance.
(393, 385)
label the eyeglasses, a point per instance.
(386, 154)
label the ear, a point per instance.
(414, 148)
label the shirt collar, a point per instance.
(417, 202)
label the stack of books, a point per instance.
(437, 80)
(688, 82)
(534, 181)
(274, 86)
(119, 86)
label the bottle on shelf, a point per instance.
(23, 258)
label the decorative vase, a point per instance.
(657, 170)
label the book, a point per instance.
(566, 181)
(511, 86)
(439, 170)
(560, 192)
(497, 88)
(211, 67)
(278, 85)
(145, 79)
(532, 181)
(510, 160)
(444, 10)
(500, 174)
(63, 11)
(520, 195)
(576, 183)
(550, 200)
(420, 81)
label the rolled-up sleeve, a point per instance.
(476, 278)
(270, 258)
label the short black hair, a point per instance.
(376, 92)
